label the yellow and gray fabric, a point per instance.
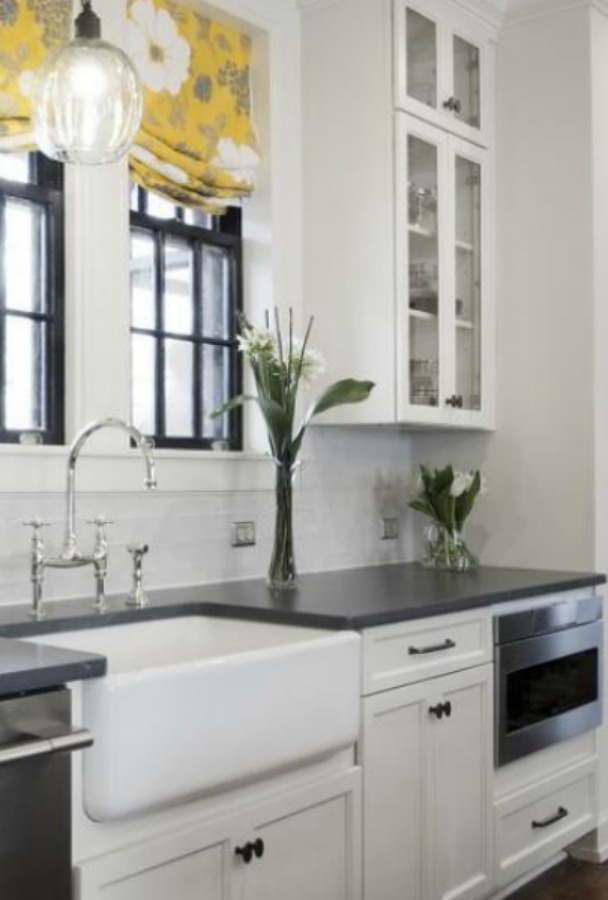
(30, 31)
(197, 144)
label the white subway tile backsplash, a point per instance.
(349, 479)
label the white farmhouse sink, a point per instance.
(193, 704)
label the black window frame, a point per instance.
(216, 231)
(45, 188)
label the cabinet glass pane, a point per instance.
(468, 283)
(423, 272)
(467, 82)
(421, 58)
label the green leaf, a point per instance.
(349, 390)
(231, 404)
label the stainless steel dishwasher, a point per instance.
(36, 740)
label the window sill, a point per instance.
(41, 469)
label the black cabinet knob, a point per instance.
(251, 849)
(453, 105)
(245, 852)
(441, 709)
(455, 401)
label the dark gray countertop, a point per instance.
(32, 667)
(353, 598)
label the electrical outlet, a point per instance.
(389, 528)
(243, 534)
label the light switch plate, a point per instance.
(243, 534)
(389, 528)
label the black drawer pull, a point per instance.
(435, 648)
(249, 850)
(560, 814)
(441, 710)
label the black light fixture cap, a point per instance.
(88, 23)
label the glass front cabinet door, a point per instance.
(444, 68)
(444, 279)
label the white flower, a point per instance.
(160, 54)
(256, 342)
(238, 159)
(461, 483)
(312, 365)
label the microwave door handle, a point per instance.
(63, 743)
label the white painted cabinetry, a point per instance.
(426, 754)
(301, 844)
(399, 206)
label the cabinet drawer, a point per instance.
(533, 825)
(395, 655)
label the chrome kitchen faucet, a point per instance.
(70, 556)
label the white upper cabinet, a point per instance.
(445, 272)
(399, 207)
(444, 68)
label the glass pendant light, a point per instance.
(88, 99)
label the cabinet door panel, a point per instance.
(423, 269)
(395, 759)
(471, 317)
(461, 805)
(193, 865)
(310, 851)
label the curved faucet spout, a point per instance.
(70, 549)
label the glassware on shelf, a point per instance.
(424, 382)
(422, 207)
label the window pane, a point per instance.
(24, 362)
(179, 388)
(134, 199)
(217, 311)
(143, 280)
(24, 256)
(15, 167)
(160, 208)
(178, 299)
(143, 382)
(216, 390)
(199, 218)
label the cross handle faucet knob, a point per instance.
(37, 523)
(138, 551)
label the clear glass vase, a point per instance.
(282, 573)
(445, 549)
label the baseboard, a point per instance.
(530, 876)
(593, 847)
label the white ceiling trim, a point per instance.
(313, 4)
(523, 11)
(491, 11)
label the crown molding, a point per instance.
(491, 12)
(521, 12)
(314, 4)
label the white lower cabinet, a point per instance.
(426, 754)
(298, 845)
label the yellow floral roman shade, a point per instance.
(197, 144)
(30, 30)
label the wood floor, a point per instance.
(568, 881)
